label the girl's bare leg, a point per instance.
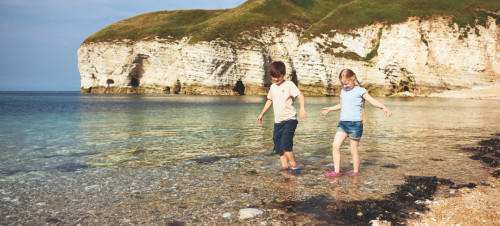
(355, 155)
(337, 143)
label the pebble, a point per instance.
(92, 187)
(249, 213)
(226, 215)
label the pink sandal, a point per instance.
(333, 174)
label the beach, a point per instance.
(479, 92)
(466, 206)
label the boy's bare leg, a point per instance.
(337, 143)
(291, 159)
(284, 161)
(355, 154)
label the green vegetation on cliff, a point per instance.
(315, 16)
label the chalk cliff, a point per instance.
(426, 55)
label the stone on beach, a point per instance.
(249, 213)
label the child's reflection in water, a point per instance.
(349, 186)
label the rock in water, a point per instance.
(249, 213)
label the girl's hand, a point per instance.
(324, 111)
(387, 111)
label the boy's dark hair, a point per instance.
(277, 69)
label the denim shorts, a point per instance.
(283, 136)
(353, 128)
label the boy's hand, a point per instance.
(259, 119)
(302, 114)
(324, 111)
(387, 111)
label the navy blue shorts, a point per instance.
(283, 135)
(353, 128)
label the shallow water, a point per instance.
(48, 136)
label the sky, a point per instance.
(39, 39)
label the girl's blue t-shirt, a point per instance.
(352, 102)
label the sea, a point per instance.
(43, 134)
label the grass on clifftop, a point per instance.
(315, 16)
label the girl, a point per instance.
(352, 101)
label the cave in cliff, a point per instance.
(239, 88)
(137, 71)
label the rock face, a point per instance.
(425, 55)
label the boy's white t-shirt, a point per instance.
(283, 97)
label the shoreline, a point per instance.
(479, 92)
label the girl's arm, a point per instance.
(337, 107)
(377, 104)
(266, 108)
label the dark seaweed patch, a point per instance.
(391, 166)
(52, 220)
(368, 164)
(395, 208)
(252, 172)
(436, 160)
(488, 152)
(12, 172)
(469, 185)
(83, 154)
(71, 167)
(211, 159)
(496, 174)
(208, 159)
(175, 223)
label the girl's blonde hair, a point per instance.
(350, 75)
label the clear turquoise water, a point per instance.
(44, 131)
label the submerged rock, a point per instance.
(249, 213)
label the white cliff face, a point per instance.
(428, 55)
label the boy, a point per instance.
(281, 97)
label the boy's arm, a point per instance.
(377, 104)
(302, 101)
(266, 108)
(337, 107)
